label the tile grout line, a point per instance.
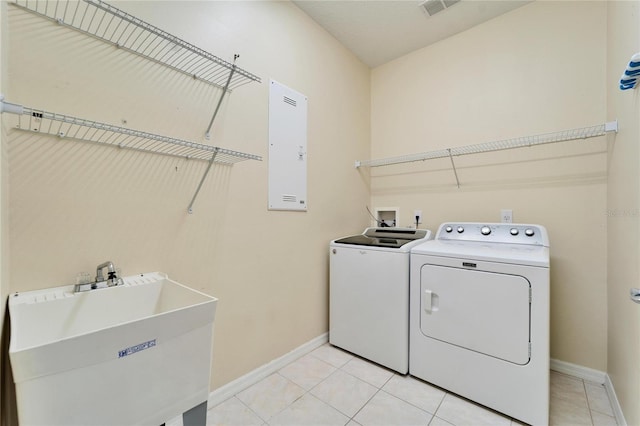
(586, 396)
(250, 409)
(318, 384)
(438, 407)
(593, 410)
(308, 392)
(291, 403)
(444, 391)
(353, 418)
(378, 389)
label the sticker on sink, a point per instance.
(137, 348)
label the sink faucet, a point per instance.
(100, 282)
(112, 279)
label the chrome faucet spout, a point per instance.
(110, 269)
(112, 278)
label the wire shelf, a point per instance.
(65, 126)
(561, 136)
(112, 25)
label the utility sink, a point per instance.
(136, 353)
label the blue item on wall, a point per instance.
(629, 79)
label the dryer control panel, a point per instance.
(508, 233)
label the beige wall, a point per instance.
(547, 66)
(623, 365)
(4, 284)
(540, 68)
(4, 239)
(75, 205)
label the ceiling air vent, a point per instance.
(434, 6)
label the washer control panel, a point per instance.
(510, 233)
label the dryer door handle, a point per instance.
(426, 301)
(430, 301)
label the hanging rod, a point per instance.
(112, 25)
(562, 136)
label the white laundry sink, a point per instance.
(137, 353)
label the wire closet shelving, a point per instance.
(105, 22)
(520, 142)
(112, 25)
(65, 126)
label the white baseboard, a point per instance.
(595, 376)
(617, 410)
(578, 371)
(227, 391)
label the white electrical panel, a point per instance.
(287, 148)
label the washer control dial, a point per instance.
(514, 231)
(460, 229)
(485, 230)
(448, 229)
(529, 232)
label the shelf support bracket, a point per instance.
(9, 107)
(204, 176)
(207, 134)
(454, 167)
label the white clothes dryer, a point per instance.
(479, 315)
(369, 294)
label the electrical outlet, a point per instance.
(506, 216)
(417, 214)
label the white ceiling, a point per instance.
(378, 31)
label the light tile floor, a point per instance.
(332, 387)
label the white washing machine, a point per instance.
(369, 294)
(479, 316)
